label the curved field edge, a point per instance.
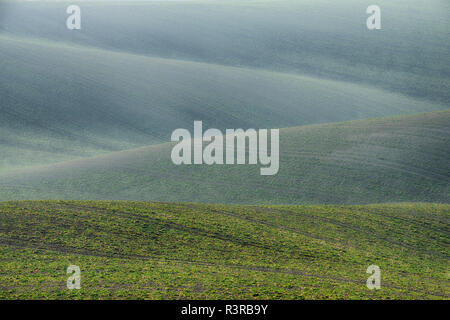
(396, 159)
(143, 250)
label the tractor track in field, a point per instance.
(354, 228)
(182, 262)
(168, 225)
(327, 220)
(201, 232)
(174, 225)
(34, 243)
(179, 227)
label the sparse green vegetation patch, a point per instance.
(141, 250)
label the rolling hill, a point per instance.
(138, 250)
(395, 159)
(325, 38)
(86, 118)
(62, 102)
(138, 70)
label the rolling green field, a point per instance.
(326, 38)
(136, 71)
(68, 102)
(397, 159)
(86, 176)
(169, 251)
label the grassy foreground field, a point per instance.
(168, 251)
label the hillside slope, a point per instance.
(62, 102)
(393, 159)
(167, 251)
(325, 38)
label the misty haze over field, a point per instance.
(98, 202)
(137, 70)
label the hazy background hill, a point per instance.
(366, 161)
(61, 102)
(138, 71)
(322, 37)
